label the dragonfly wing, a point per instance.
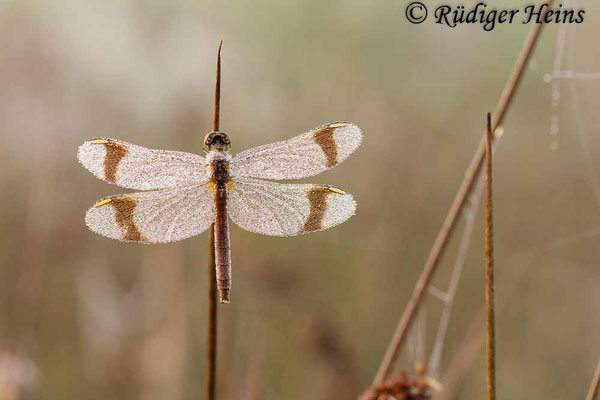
(157, 216)
(305, 155)
(277, 209)
(136, 167)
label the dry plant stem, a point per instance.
(595, 385)
(489, 268)
(211, 373)
(451, 218)
(217, 111)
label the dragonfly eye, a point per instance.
(217, 140)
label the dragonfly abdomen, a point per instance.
(220, 179)
(222, 244)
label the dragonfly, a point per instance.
(182, 194)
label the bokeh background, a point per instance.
(82, 316)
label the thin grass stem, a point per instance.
(490, 322)
(211, 373)
(217, 112)
(595, 385)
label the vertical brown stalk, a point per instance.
(211, 373)
(449, 224)
(595, 385)
(216, 113)
(490, 323)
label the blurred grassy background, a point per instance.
(310, 316)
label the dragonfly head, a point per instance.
(217, 140)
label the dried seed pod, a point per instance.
(405, 387)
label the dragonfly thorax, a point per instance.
(218, 166)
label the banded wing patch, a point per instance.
(157, 216)
(278, 209)
(140, 168)
(305, 155)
